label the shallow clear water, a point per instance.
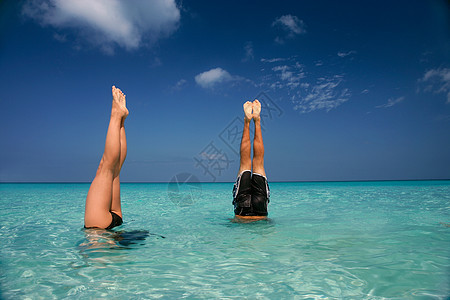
(347, 240)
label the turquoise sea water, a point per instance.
(346, 240)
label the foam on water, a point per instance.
(366, 240)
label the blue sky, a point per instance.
(351, 90)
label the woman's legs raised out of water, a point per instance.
(115, 203)
(99, 201)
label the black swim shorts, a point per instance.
(251, 194)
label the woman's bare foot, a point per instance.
(256, 110)
(119, 103)
(248, 106)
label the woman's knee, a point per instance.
(109, 164)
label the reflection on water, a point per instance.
(99, 248)
(101, 240)
(245, 220)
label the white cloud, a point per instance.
(325, 94)
(248, 51)
(437, 81)
(272, 60)
(344, 54)
(319, 63)
(290, 75)
(107, 23)
(391, 102)
(279, 40)
(307, 91)
(292, 26)
(60, 37)
(209, 79)
(180, 84)
(290, 23)
(319, 89)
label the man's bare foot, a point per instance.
(119, 102)
(248, 106)
(256, 110)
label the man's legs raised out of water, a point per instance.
(242, 187)
(258, 145)
(246, 147)
(250, 187)
(260, 188)
(99, 201)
